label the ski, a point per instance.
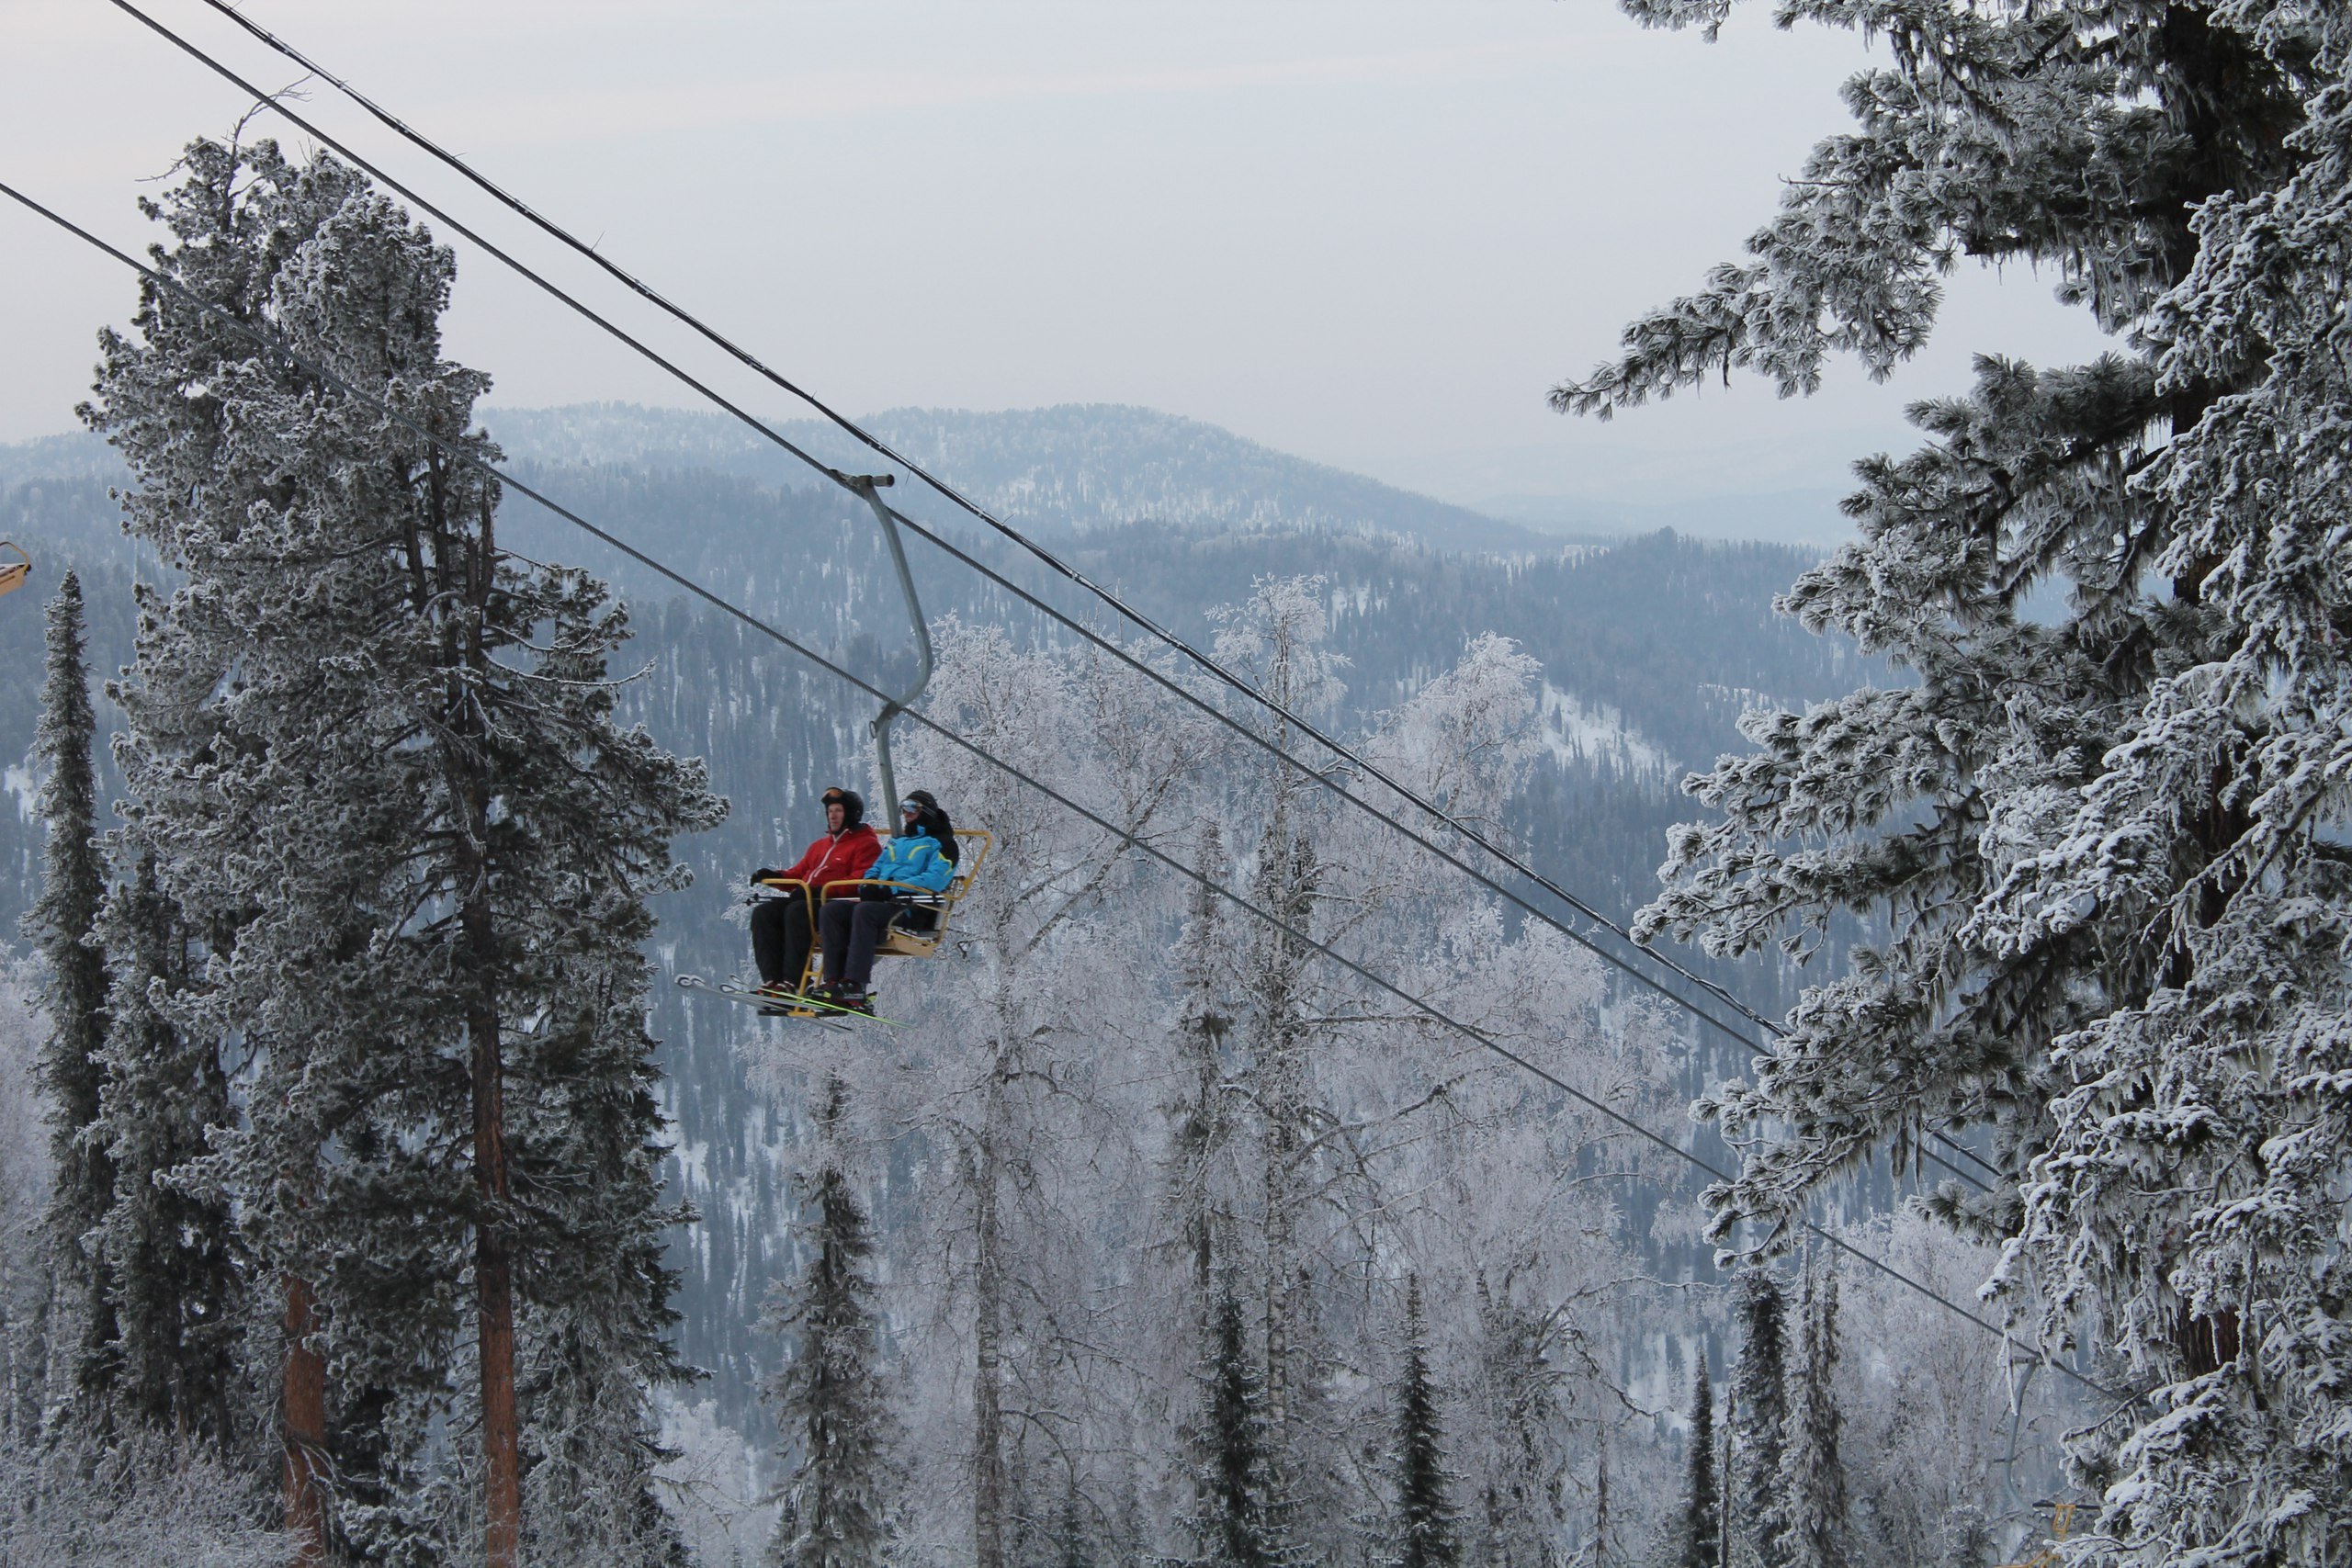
(806, 1009)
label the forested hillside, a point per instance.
(1644, 652)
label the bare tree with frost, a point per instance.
(1020, 1084)
(2108, 842)
(376, 754)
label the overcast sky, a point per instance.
(1372, 233)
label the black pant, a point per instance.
(780, 938)
(853, 928)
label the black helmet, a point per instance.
(931, 817)
(852, 803)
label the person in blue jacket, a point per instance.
(922, 855)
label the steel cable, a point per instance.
(1225, 677)
(848, 426)
(272, 343)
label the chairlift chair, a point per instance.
(973, 843)
(14, 572)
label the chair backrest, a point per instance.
(974, 844)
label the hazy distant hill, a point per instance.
(1078, 466)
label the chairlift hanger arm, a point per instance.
(868, 486)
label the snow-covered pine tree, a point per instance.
(1426, 1517)
(1239, 1516)
(830, 1397)
(377, 756)
(63, 926)
(1812, 1484)
(171, 1250)
(1699, 1533)
(1757, 1526)
(2107, 836)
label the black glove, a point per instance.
(870, 894)
(763, 873)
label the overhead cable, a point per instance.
(273, 343)
(955, 496)
(1322, 777)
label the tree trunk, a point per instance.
(304, 1427)
(494, 1287)
(988, 1417)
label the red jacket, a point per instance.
(836, 857)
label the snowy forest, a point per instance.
(1528, 1052)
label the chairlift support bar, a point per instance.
(870, 487)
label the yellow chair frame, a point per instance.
(13, 573)
(975, 844)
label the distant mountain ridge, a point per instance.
(1075, 466)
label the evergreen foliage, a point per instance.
(375, 760)
(1427, 1520)
(830, 1395)
(64, 928)
(1700, 1539)
(1759, 1524)
(1820, 1526)
(171, 1248)
(1239, 1517)
(2105, 837)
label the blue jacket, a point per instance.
(913, 857)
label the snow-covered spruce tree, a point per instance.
(2109, 841)
(1699, 1536)
(1426, 1517)
(1239, 1516)
(63, 926)
(1812, 1484)
(377, 756)
(171, 1250)
(1757, 1524)
(830, 1397)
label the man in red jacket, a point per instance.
(782, 927)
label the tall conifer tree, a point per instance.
(1759, 1524)
(1820, 1524)
(378, 755)
(170, 1248)
(2101, 815)
(1427, 1533)
(63, 924)
(1239, 1516)
(1700, 1533)
(830, 1396)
